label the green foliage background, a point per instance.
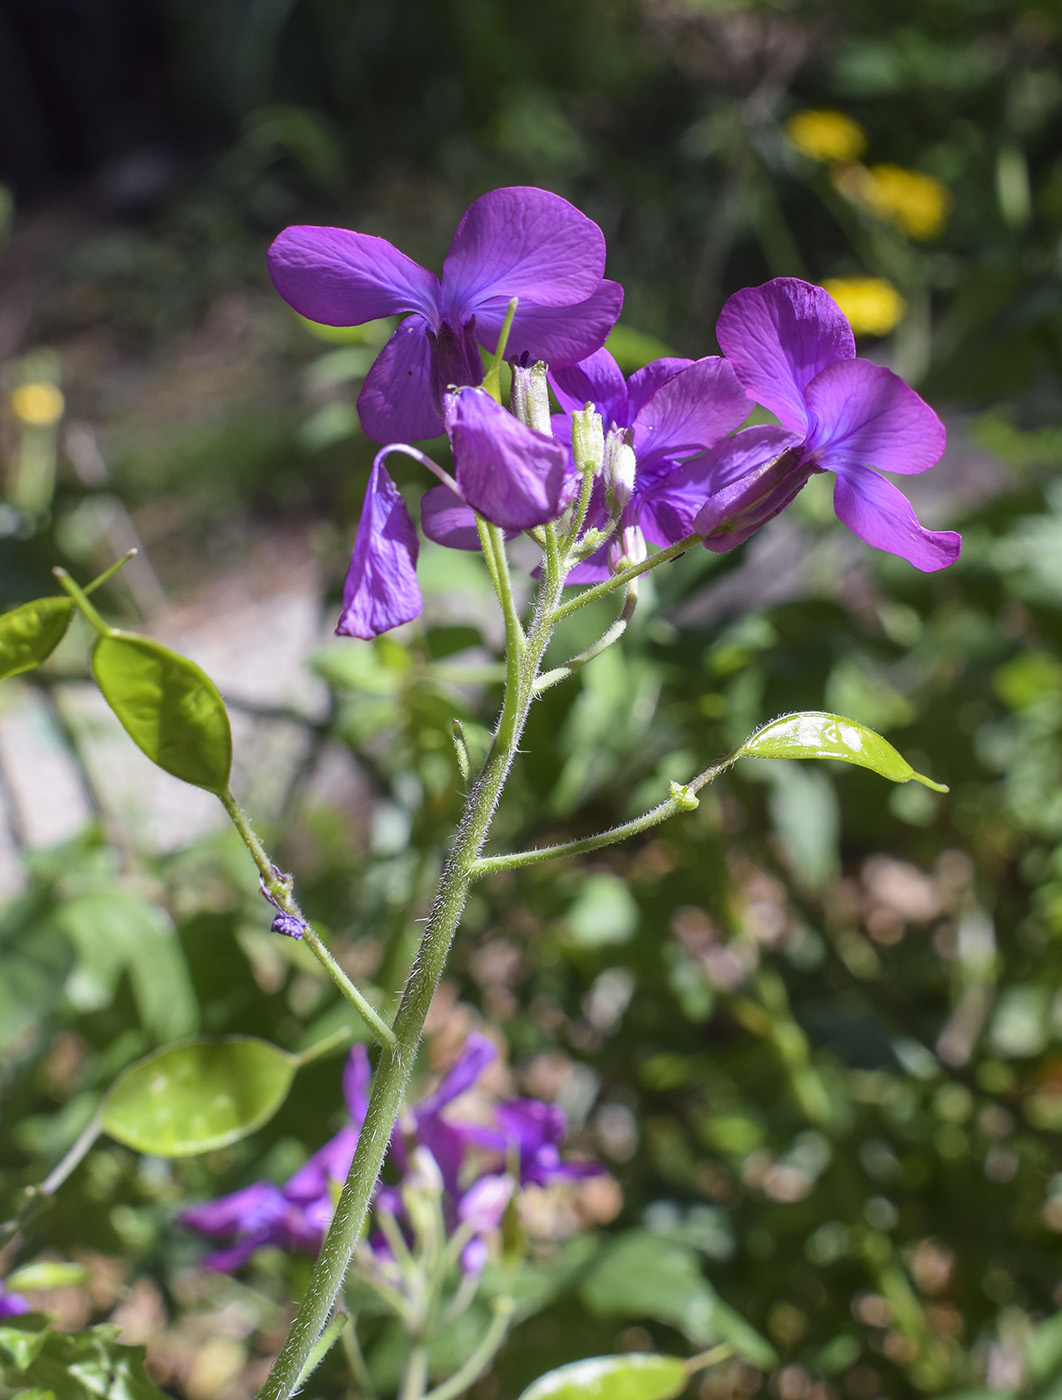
(813, 1029)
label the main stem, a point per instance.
(391, 1075)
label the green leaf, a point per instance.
(29, 634)
(639, 1376)
(88, 1365)
(197, 1096)
(817, 734)
(169, 707)
(46, 1273)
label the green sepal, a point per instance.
(818, 734)
(197, 1096)
(29, 634)
(638, 1376)
(168, 706)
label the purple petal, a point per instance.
(644, 382)
(446, 519)
(866, 416)
(356, 1076)
(253, 1208)
(12, 1304)
(381, 589)
(731, 515)
(484, 1203)
(529, 1124)
(667, 510)
(598, 380)
(328, 1164)
(227, 1261)
(446, 1144)
(513, 476)
(521, 242)
(560, 335)
(593, 569)
(474, 1256)
(779, 337)
(395, 403)
(692, 410)
(476, 1054)
(341, 278)
(881, 514)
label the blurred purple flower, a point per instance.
(516, 242)
(296, 1215)
(12, 1304)
(794, 352)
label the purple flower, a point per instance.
(794, 352)
(517, 242)
(511, 475)
(295, 1216)
(12, 1304)
(669, 411)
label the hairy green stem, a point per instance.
(602, 590)
(396, 1062)
(576, 663)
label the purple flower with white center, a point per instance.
(517, 242)
(670, 411)
(295, 1216)
(794, 352)
(511, 475)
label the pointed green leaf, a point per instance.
(168, 706)
(29, 634)
(639, 1376)
(197, 1096)
(816, 734)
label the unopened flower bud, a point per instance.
(627, 548)
(529, 397)
(588, 439)
(618, 470)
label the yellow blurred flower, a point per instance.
(826, 135)
(917, 204)
(38, 404)
(872, 304)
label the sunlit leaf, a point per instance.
(639, 1376)
(72, 1366)
(817, 734)
(45, 1273)
(169, 707)
(195, 1097)
(29, 634)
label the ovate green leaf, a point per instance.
(197, 1096)
(169, 707)
(817, 734)
(29, 634)
(636, 1377)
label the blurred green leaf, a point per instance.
(168, 706)
(195, 1097)
(640, 1376)
(29, 634)
(46, 1273)
(817, 734)
(84, 1365)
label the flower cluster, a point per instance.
(472, 1168)
(672, 463)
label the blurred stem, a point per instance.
(356, 1361)
(415, 1376)
(481, 1357)
(278, 886)
(396, 1062)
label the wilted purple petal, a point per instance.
(341, 278)
(691, 410)
(881, 514)
(596, 380)
(514, 477)
(484, 1203)
(446, 519)
(381, 589)
(731, 515)
(396, 402)
(866, 416)
(779, 337)
(560, 335)
(521, 242)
